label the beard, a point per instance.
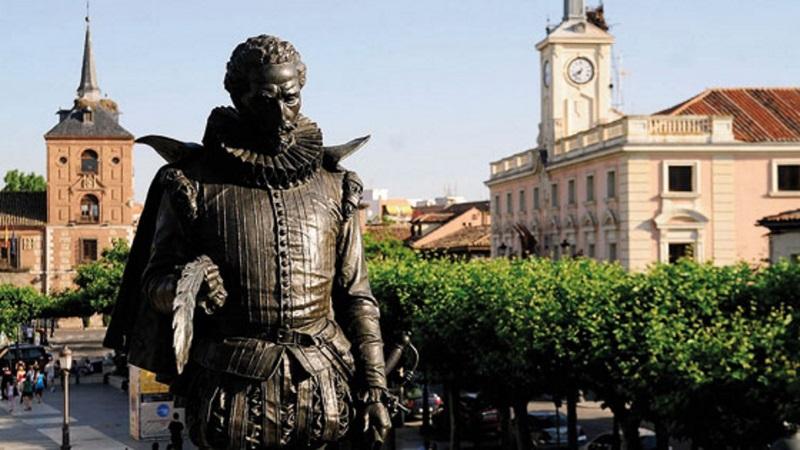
(272, 139)
(281, 138)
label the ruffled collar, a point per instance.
(225, 136)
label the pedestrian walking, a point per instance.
(38, 387)
(8, 378)
(50, 375)
(11, 396)
(176, 432)
(27, 394)
(21, 372)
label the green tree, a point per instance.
(382, 248)
(18, 305)
(97, 285)
(17, 181)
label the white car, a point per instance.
(604, 441)
(549, 430)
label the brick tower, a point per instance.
(89, 179)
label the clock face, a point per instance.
(547, 73)
(581, 70)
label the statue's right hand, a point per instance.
(212, 294)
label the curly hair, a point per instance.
(259, 51)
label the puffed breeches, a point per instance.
(291, 409)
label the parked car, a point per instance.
(29, 353)
(604, 441)
(414, 402)
(549, 430)
(477, 417)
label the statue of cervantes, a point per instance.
(246, 288)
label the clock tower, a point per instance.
(576, 80)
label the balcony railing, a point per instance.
(659, 129)
(647, 130)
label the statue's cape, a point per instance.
(135, 327)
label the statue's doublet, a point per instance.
(292, 265)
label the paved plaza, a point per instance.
(99, 421)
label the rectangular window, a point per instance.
(554, 195)
(497, 204)
(571, 192)
(611, 184)
(88, 250)
(589, 188)
(509, 205)
(612, 251)
(680, 250)
(522, 204)
(591, 251)
(9, 253)
(681, 178)
(789, 177)
(536, 204)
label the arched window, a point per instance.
(89, 161)
(90, 209)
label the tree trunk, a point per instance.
(662, 436)
(426, 413)
(616, 443)
(453, 406)
(630, 428)
(506, 440)
(572, 419)
(521, 419)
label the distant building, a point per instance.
(688, 181)
(371, 199)
(459, 229)
(378, 207)
(89, 199)
(784, 235)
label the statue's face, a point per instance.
(272, 103)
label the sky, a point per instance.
(443, 86)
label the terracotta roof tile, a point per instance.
(23, 209)
(759, 114)
(394, 231)
(440, 217)
(784, 217)
(471, 237)
(460, 208)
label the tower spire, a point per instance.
(88, 89)
(574, 9)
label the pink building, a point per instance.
(692, 180)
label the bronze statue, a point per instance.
(246, 285)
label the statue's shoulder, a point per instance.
(352, 186)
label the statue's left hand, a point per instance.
(376, 424)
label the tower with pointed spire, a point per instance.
(88, 90)
(90, 198)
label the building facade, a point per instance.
(689, 181)
(89, 200)
(784, 236)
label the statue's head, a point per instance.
(264, 78)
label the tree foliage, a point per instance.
(17, 181)
(18, 305)
(97, 285)
(708, 353)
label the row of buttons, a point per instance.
(283, 253)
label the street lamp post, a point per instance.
(65, 358)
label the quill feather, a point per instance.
(183, 308)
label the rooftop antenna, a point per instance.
(87, 11)
(618, 97)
